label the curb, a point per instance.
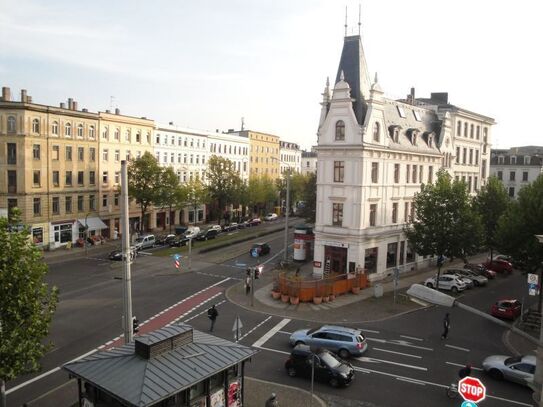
(283, 402)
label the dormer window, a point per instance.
(376, 132)
(500, 159)
(417, 116)
(401, 112)
(340, 130)
(394, 132)
(526, 160)
(430, 140)
(513, 160)
(413, 133)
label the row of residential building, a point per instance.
(61, 165)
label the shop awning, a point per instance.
(93, 223)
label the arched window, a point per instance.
(127, 135)
(478, 133)
(68, 130)
(471, 131)
(466, 129)
(340, 130)
(105, 133)
(376, 132)
(35, 126)
(80, 131)
(92, 133)
(117, 134)
(12, 127)
(54, 128)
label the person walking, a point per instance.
(247, 285)
(446, 326)
(272, 401)
(212, 314)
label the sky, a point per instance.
(207, 64)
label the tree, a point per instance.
(195, 194)
(261, 190)
(223, 182)
(309, 198)
(144, 177)
(170, 194)
(27, 303)
(445, 223)
(491, 203)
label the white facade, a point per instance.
(232, 147)
(308, 162)
(290, 157)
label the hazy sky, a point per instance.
(206, 64)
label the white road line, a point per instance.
(252, 330)
(374, 360)
(271, 332)
(460, 365)
(284, 332)
(399, 343)
(457, 348)
(411, 381)
(369, 330)
(398, 353)
(411, 337)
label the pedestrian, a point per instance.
(247, 285)
(272, 401)
(446, 326)
(297, 272)
(212, 314)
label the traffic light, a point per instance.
(135, 325)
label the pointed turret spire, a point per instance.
(342, 76)
(345, 21)
(325, 104)
(376, 80)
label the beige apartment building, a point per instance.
(263, 153)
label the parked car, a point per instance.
(499, 266)
(144, 242)
(232, 226)
(477, 279)
(261, 248)
(504, 257)
(323, 365)
(341, 340)
(446, 282)
(218, 228)
(270, 217)
(466, 280)
(207, 234)
(519, 369)
(255, 222)
(481, 270)
(164, 239)
(117, 255)
(179, 230)
(507, 308)
(181, 240)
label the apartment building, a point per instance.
(374, 153)
(516, 167)
(233, 147)
(263, 152)
(309, 162)
(290, 157)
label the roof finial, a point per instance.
(359, 17)
(327, 81)
(341, 76)
(376, 80)
(345, 21)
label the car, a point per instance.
(255, 221)
(144, 242)
(508, 308)
(504, 257)
(164, 240)
(446, 282)
(321, 364)
(519, 369)
(218, 228)
(181, 240)
(192, 231)
(117, 255)
(344, 341)
(270, 216)
(261, 249)
(477, 279)
(232, 226)
(499, 266)
(481, 270)
(179, 230)
(207, 234)
(466, 280)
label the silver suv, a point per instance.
(341, 340)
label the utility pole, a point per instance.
(253, 270)
(127, 282)
(190, 253)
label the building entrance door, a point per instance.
(338, 258)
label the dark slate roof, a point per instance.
(143, 382)
(309, 154)
(355, 70)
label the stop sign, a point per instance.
(472, 389)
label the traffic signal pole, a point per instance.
(253, 269)
(127, 281)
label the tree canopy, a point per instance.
(261, 190)
(309, 198)
(196, 194)
(223, 181)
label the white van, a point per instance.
(192, 231)
(144, 242)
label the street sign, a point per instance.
(472, 389)
(532, 279)
(468, 404)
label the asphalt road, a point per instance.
(407, 363)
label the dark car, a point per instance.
(255, 221)
(507, 308)
(164, 240)
(207, 234)
(328, 368)
(261, 249)
(178, 241)
(481, 270)
(117, 255)
(499, 266)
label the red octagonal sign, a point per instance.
(472, 389)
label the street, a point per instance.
(407, 363)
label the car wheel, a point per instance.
(334, 382)
(344, 353)
(429, 285)
(476, 283)
(291, 372)
(299, 343)
(496, 374)
(454, 289)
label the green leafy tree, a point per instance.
(261, 190)
(309, 198)
(27, 303)
(445, 223)
(144, 178)
(196, 194)
(223, 182)
(170, 194)
(491, 203)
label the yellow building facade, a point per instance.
(263, 153)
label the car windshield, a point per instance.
(329, 360)
(512, 359)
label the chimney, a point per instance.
(85, 110)
(171, 123)
(6, 94)
(29, 99)
(216, 130)
(143, 117)
(108, 111)
(413, 96)
(74, 105)
(62, 105)
(23, 95)
(70, 103)
(117, 111)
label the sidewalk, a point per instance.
(52, 256)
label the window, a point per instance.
(36, 178)
(376, 132)
(68, 179)
(430, 174)
(68, 204)
(513, 160)
(469, 183)
(92, 203)
(420, 174)
(338, 171)
(478, 132)
(500, 159)
(373, 214)
(466, 129)
(104, 201)
(116, 199)
(340, 130)
(68, 153)
(117, 177)
(80, 203)
(525, 176)
(80, 178)
(80, 131)
(92, 154)
(37, 206)
(36, 152)
(396, 173)
(56, 178)
(81, 153)
(374, 172)
(392, 254)
(127, 135)
(471, 156)
(464, 156)
(471, 131)
(430, 140)
(92, 177)
(337, 215)
(104, 177)
(54, 128)
(512, 175)
(512, 192)
(12, 127)
(395, 212)
(12, 153)
(526, 160)
(417, 115)
(92, 132)
(406, 212)
(475, 186)
(457, 155)
(117, 134)
(483, 168)
(500, 175)
(105, 154)
(407, 173)
(35, 126)
(117, 155)
(138, 137)
(476, 157)
(56, 205)
(459, 128)
(414, 174)
(105, 133)
(401, 112)
(157, 139)
(68, 130)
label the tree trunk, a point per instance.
(142, 222)
(170, 217)
(2, 393)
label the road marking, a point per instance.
(284, 332)
(399, 343)
(457, 348)
(260, 324)
(271, 332)
(411, 337)
(374, 360)
(369, 330)
(411, 381)
(460, 365)
(398, 353)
